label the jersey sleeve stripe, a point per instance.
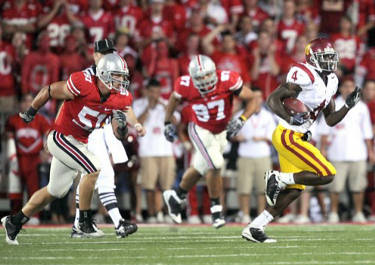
(70, 89)
(73, 86)
(306, 70)
(238, 84)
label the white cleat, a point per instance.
(174, 205)
(217, 219)
(256, 235)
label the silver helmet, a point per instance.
(113, 71)
(203, 73)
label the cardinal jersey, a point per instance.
(28, 136)
(213, 110)
(80, 116)
(315, 94)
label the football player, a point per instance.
(209, 92)
(103, 142)
(88, 101)
(314, 83)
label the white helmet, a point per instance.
(110, 65)
(203, 73)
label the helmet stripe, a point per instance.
(199, 62)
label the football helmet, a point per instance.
(113, 71)
(203, 73)
(321, 54)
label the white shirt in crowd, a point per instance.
(347, 139)
(261, 124)
(154, 142)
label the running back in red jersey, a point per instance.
(294, 106)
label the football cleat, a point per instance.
(217, 219)
(76, 233)
(125, 228)
(174, 205)
(11, 230)
(256, 235)
(88, 228)
(273, 186)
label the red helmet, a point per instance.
(321, 55)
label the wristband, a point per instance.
(243, 118)
(49, 91)
(166, 123)
(31, 111)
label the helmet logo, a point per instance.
(307, 49)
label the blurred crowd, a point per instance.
(45, 41)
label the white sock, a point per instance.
(76, 219)
(262, 220)
(287, 178)
(115, 216)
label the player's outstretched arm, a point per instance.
(248, 96)
(274, 101)
(133, 121)
(57, 90)
(171, 107)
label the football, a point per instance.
(294, 106)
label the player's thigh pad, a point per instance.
(114, 145)
(357, 176)
(209, 148)
(302, 154)
(149, 172)
(73, 153)
(61, 178)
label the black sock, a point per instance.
(214, 201)
(181, 192)
(19, 218)
(84, 215)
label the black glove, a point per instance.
(307, 136)
(353, 98)
(170, 131)
(120, 117)
(234, 126)
(299, 118)
(28, 115)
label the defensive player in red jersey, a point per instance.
(89, 100)
(209, 92)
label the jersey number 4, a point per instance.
(294, 76)
(202, 110)
(89, 119)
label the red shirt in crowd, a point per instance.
(368, 63)
(99, 25)
(288, 33)
(7, 87)
(129, 17)
(330, 14)
(348, 48)
(366, 12)
(149, 25)
(176, 14)
(28, 136)
(257, 16)
(213, 110)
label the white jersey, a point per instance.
(315, 94)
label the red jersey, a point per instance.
(348, 48)
(288, 33)
(28, 136)
(148, 26)
(99, 25)
(6, 73)
(257, 16)
(211, 111)
(175, 13)
(39, 69)
(129, 17)
(367, 63)
(80, 116)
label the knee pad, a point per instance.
(57, 192)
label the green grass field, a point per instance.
(318, 244)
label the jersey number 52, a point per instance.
(89, 119)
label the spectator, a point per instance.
(265, 64)
(21, 16)
(298, 55)
(350, 158)
(256, 14)
(348, 45)
(246, 35)
(128, 16)
(98, 22)
(366, 18)
(213, 12)
(161, 66)
(227, 56)
(366, 68)
(29, 138)
(254, 156)
(306, 11)
(155, 152)
(40, 67)
(56, 19)
(175, 12)
(186, 56)
(289, 28)
(330, 13)
(7, 84)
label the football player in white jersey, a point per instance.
(314, 83)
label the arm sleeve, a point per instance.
(298, 76)
(181, 86)
(235, 81)
(74, 84)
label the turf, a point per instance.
(318, 244)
